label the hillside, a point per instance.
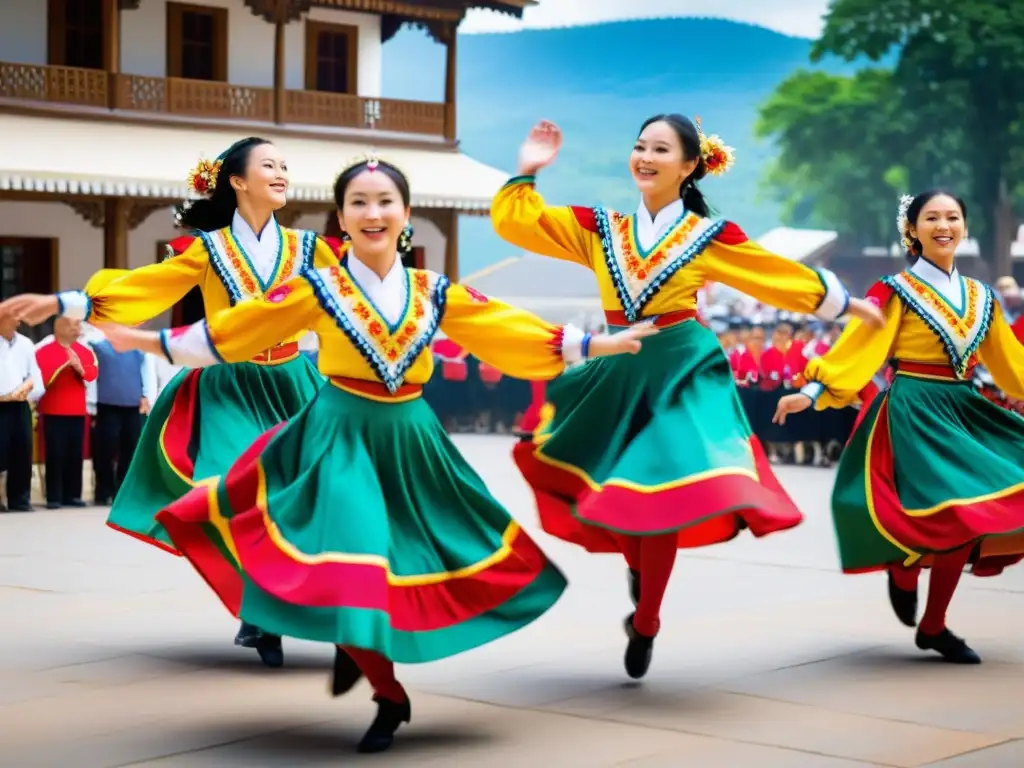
(599, 83)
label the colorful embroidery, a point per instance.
(960, 331)
(638, 274)
(236, 271)
(389, 349)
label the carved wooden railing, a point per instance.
(215, 100)
(196, 98)
(65, 85)
(346, 111)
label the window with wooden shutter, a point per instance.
(197, 42)
(75, 33)
(332, 57)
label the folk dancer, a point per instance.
(615, 467)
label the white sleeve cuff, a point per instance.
(190, 346)
(836, 300)
(572, 344)
(813, 390)
(74, 304)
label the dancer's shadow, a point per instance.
(288, 743)
(229, 658)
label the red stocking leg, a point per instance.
(657, 558)
(379, 672)
(630, 546)
(946, 573)
(905, 578)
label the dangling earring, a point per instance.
(405, 240)
(344, 236)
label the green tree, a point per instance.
(839, 141)
(962, 61)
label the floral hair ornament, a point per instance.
(717, 155)
(903, 223)
(203, 178)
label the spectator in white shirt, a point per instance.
(20, 383)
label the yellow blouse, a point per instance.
(665, 278)
(922, 327)
(356, 342)
(214, 261)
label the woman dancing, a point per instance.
(656, 453)
(933, 474)
(204, 420)
(357, 522)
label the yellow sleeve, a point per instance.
(131, 297)
(836, 379)
(516, 342)
(1003, 355)
(239, 333)
(740, 263)
(328, 253)
(521, 217)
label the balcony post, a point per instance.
(450, 79)
(451, 246)
(115, 232)
(280, 14)
(111, 47)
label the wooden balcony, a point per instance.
(170, 96)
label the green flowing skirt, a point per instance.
(932, 467)
(647, 444)
(358, 523)
(201, 423)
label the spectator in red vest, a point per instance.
(66, 367)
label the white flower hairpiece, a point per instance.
(902, 223)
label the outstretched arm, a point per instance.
(521, 217)
(1003, 355)
(522, 345)
(737, 261)
(232, 335)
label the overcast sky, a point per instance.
(800, 18)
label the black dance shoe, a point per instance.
(270, 650)
(638, 651)
(634, 586)
(248, 635)
(346, 673)
(952, 648)
(381, 734)
(903, 602)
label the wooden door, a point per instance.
(28, 265)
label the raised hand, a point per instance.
(627, 342)
(540, 148)
(790, 404)
(30, 308)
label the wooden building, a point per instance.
(105, 105)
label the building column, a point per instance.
(115, 232)
(451, 246)
(112, 47)
(280, 13)
(450, 80)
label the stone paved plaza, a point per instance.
(115, 654)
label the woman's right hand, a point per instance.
(540, 148)
(30, 308)
(627, 342)
(791, 404)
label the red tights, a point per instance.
(653, 557)
(379, 672)
(946, 572)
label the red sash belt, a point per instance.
(374, 390)
(280, 354)
(930, 370)
(617, 317)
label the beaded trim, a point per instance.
(235, 271)
(341, 298)
(960, 334)
(659, 264)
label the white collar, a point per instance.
(665, 216)
(241, 227)
(367, 278)
(926, 270)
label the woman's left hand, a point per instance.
(627, 342)
(124, 339)
(867, 311)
